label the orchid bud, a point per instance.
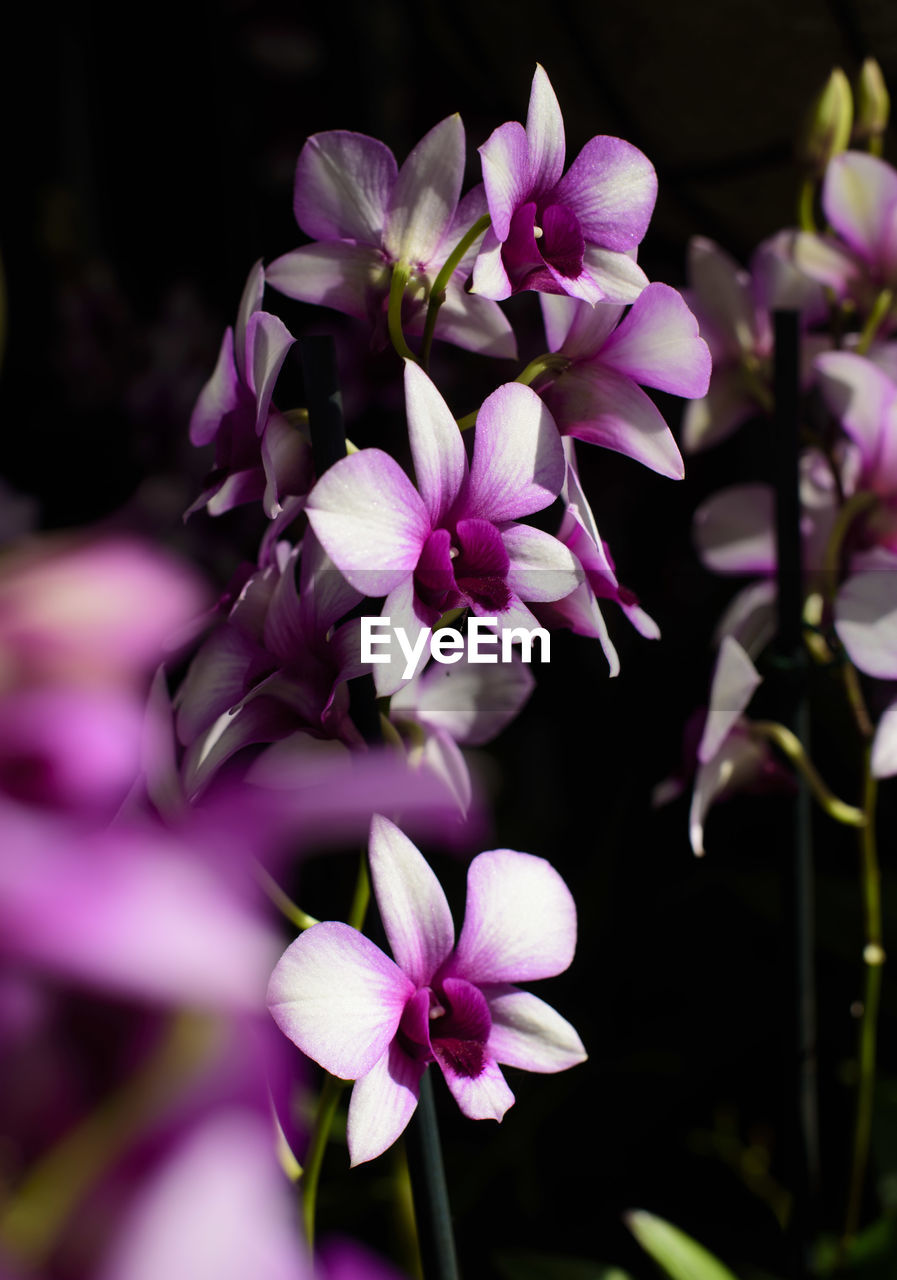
(873, 106)
(827, 130)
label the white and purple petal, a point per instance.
(657, 344)
(518, 461)
(423, 201)
(383, 1101)
(413, 907)
(611, 187)
(527, 1033)
(520, 921)
(343, 184)
(339, 998)
(370, 520)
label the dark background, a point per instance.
(149, 161)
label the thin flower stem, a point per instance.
(284, 903)
(327, 1105)
(400, 275)
(855, 506)
(877, 316)
(431, 1202)
(873, 958)
(446, 271)
(550, 362)
(332, 1089)
(856, 700)
(469, 420)
(790, 745)
(806, 216)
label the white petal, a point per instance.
(529, 1034)
(413, 908)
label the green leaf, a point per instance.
(546, 1266)
(674, 1251)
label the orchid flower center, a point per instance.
(466, 567)
(448, 1023)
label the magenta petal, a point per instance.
(735, 679)
(343, 183)
(485, 1096)
(527, 1033)
(267, 342)
(92, 906)
(370, 520)
(412, 905)
(657, 344)
(471, 701)
(218, 1209)
(866, 620)
(865, 401)
(220, 396)
(544, 134)
(351, 278)
(884, 745)
(718, 414)
(737, 763)
(562, 242)
(518, 460)
(490, 279)
(505, 157)
(575, 328)
(475, 324)
(383, 1101)
(858, 195)
(250, 302)
(440, 463)
(617, 275)
(520, 921)
(604, 407)
(734, 530)
(339, 998)
(611, 187)
(425, 196)
(542, 568)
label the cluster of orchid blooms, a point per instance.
(156, 815)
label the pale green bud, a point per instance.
(829, 121)
(873, 105)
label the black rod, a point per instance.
(429, 1189)
(801, 893)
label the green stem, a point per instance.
(873, 958)
(332, 1089)
(285, 904)
(852, 509)
(876, 317)
(790, 745)
(446, 271)
(327, 1105)
(550, 362)
(401, 273)
(806, 216)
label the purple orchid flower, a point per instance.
(733, 308)
(379, 1022)
(457, 543)
(866, 623)
(598, 397)
(572, 233)
(728, 756)
(580, 610)
(864, 399)
(367, 216)
(279, 664)
(859, 258)
(467, 704)
(259, 454)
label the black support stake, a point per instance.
(801, 894)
